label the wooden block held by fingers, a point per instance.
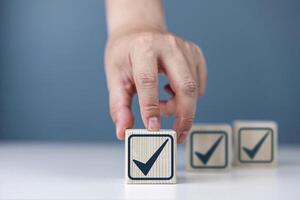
(209, 147)
(150, 156)
(255, 143)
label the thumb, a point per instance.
(120, 108)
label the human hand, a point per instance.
(133, 62)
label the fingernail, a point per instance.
(182, 137)
(153, 124)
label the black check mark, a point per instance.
(252, 152)
(205, 157)
(145, 167)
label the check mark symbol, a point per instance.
(145, 167)
(252, 152)
(205, 157)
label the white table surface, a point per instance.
(96, 171)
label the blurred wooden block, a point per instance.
(150, 156)
(209, 148)
(255, 143)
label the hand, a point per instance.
(133, 61)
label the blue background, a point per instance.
(52, 83)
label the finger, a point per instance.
(202, 70)
(120, 98)
(185, 87)
(184, 116)
(145, 73)
(182, 138)
(120, 109)
(192, 56)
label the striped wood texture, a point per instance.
(142, 144)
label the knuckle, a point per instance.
(187, 122)
(151, 109)
(145, 41)
(197, 49)
(189, 88)
(188, 43)
(174, 44)
(172, 39)
(146, 80)
(144, 44)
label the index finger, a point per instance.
(145, 74)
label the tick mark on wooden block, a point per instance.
(150, 156)
(209, 147)
(255, 143)
(145, 167)
(205, 157)
(252, 152)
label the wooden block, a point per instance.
(209, 147)
(150, 156)
(255, 143)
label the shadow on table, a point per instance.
(236, 173)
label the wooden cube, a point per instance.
(255, 143)
(150, 156)
(209, 147)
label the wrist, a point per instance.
(135, 29)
